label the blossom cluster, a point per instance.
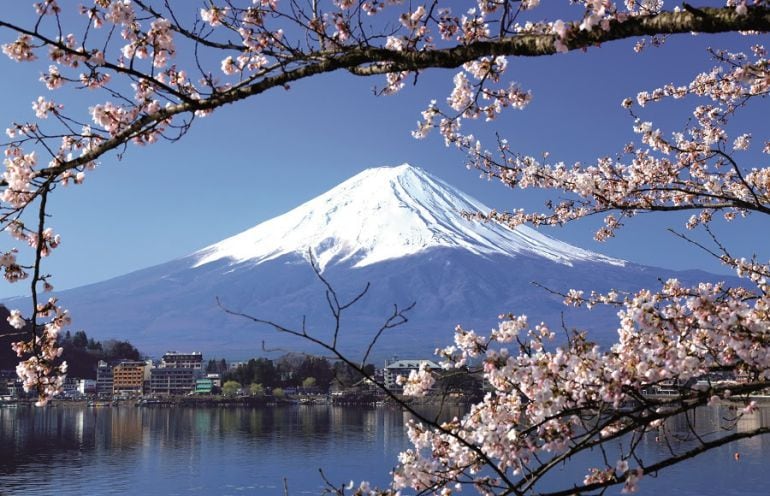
(146, 76)
(418, 382)
(694, 169)
(136, 45)
(40, 369)
(543, 394)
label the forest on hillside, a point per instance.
(80, 352)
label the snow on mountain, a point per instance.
(398, 228)
(386, 213)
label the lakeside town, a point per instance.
(185, 377)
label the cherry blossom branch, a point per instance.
(393, 321)
(657, 467)
(546, 404)
(654, 412)
(373, 60)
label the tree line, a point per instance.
(83, 353)
(290, 371)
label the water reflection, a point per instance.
(709, 424)
(75, 450)
(79, 450)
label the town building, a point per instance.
(204, 385)
(172, 381)
(395, 368)
(128, 378)
(216, 379)
(177, 374)
(103, 379)
(7, 378)
(172, 360)
(10, 385)
(87, 387)
(69, 387)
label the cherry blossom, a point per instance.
(147, 73)
(418, 383)
(21, 49)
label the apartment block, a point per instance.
(128, 378)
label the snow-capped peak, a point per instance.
(385, 213)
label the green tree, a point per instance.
(257, 370)
(317, 368)
(114, 349)
(231, 388)
(94, 345)
(80, 340)
(279, 393)
(262, 371)
(308, 382)
(211, 367)
(345, 376)
(256, 389)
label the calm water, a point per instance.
(168, 451)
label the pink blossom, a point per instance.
(20, 50)
(43, 107)
(215, 16)
(16, 320)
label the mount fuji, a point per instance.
(388, 213)
(398, 228)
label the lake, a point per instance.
(74, 450)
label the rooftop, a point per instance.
(412, 364)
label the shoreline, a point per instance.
(314, 400)
(245, 401)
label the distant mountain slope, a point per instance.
(398, 228)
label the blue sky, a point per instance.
(251, 161)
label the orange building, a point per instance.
(128, 378)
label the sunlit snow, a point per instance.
(387, 213)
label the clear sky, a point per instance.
(254, 160)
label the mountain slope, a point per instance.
(386, 213)
(398, 228)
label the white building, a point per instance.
(396, 368)
(174, 360)
(86, 386)
(177, 373)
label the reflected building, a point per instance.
(126, 427)
(748, 422)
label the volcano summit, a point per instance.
(387, 213)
